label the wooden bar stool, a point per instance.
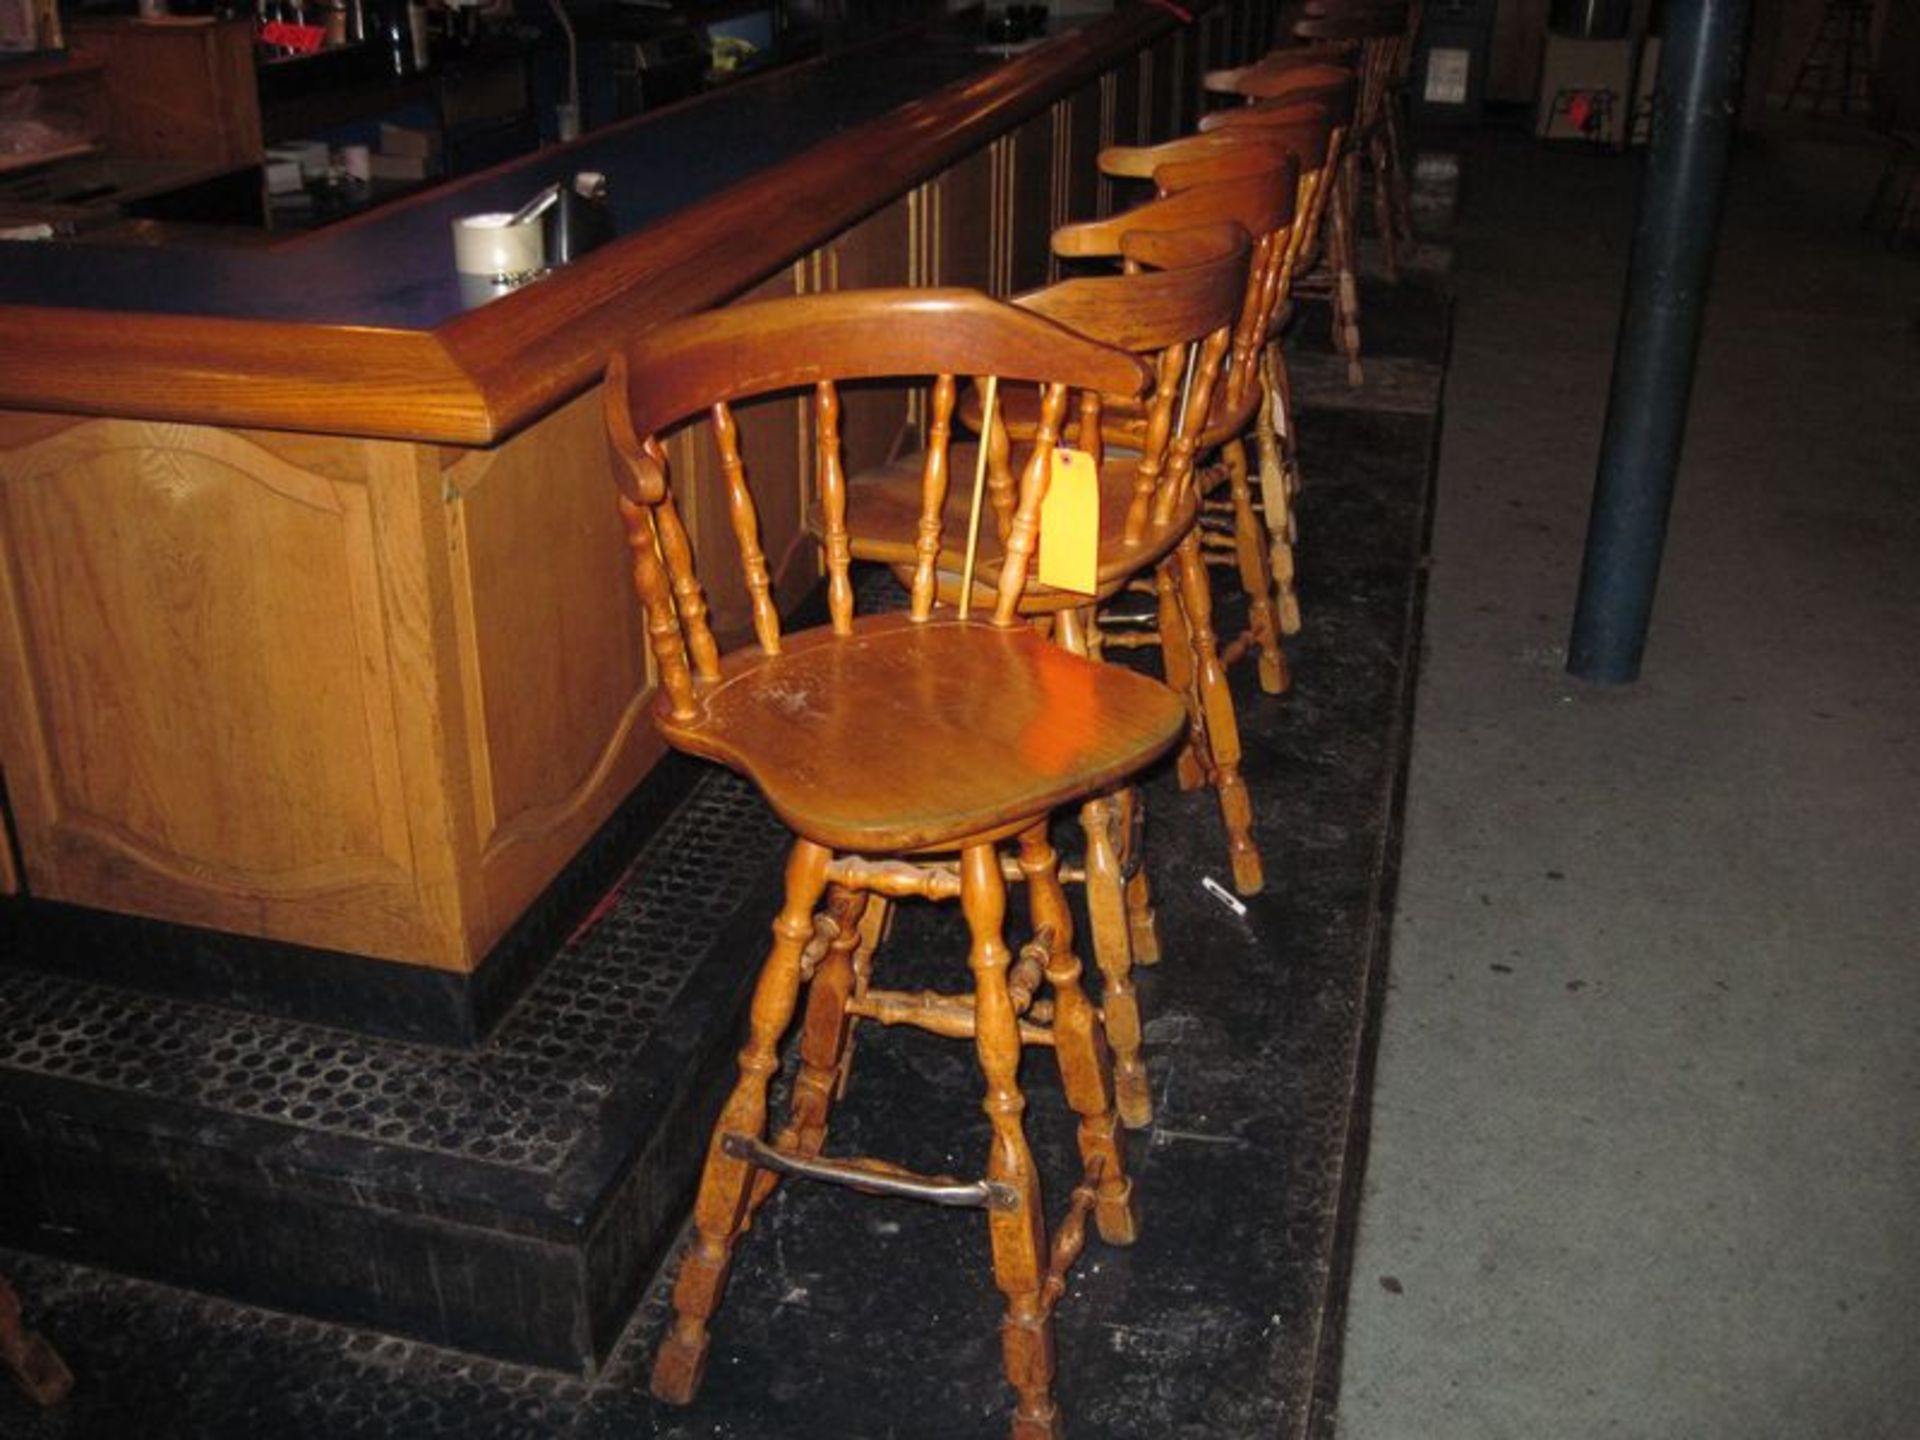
(1258, 190)
(903, 750)
(1312, 142)
(1262, 205)
(1298, 95)
(1386, 31)
(1375, 38)
(1176, 312)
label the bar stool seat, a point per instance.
(1020, 727)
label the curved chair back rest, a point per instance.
(1342, 54)
(1228, 154)
(1297, 82)
(1180, 285)
(705, 362)
(1249, 153)
(1176, 307)
(1338, 92)
(1353, 22)
(1260, 203)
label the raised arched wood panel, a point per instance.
(201, 682)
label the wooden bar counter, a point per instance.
(314, 617)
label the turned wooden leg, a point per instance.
(1341, 254)
(726, 1182)
(873, 930)
(1143, 926)
(1401, 181)
(823, 1036)
(1223, 726)
(1078, 1047)
(1113, 953)
(1079, 633)
(1176, 654)
(1250, 550)
(1383, 206)
(1279, 484)
(1018, 1234)
(33, 1363)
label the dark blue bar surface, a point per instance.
(394, 267)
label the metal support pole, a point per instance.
(1695, 105)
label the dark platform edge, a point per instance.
(1323, 1393)
(332, 987)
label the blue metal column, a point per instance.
(1695, 105)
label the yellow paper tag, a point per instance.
(1070, 523)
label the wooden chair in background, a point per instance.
(903, 750)
(1386, 31)
(1312, 143)
(1374, 38)
(1176, 311)
(1182, 624)
(1301, 94)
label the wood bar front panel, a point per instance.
(201, 718)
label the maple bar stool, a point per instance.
(1175, 165)
(1299, 94)
(1230, 178)
(1386, 31)
(1176, 312)
(1376, 37)
(1262, 205)
(988, 728)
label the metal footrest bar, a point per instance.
(875, 1177)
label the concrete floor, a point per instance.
(1646, 1141)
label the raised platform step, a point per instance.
(509, 1200)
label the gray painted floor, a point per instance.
(1646, 1145)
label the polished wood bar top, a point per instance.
(363, 329)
